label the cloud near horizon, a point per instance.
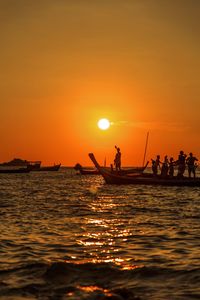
(160, 126)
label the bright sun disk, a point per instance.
(103, 124)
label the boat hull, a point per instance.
(14, 171)
(89, 172)
(47, 168)
(85, 171)
(143, 179)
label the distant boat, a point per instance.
(142, 179)
(126, 171)
(34, 165)
(18, 162)
(14, 170)
(86, 171)
(47, 168)
(30, 165)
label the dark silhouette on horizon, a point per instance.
(117, 160)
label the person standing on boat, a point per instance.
(181, 164)
(165, 167)
(171, 167)
(117, 160)
(155, 165)
(190, 161)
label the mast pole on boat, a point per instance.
(145, 150)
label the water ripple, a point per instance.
(65, 236)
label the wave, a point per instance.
(66, 280)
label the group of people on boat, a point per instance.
(168, 165)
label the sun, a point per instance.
(103, 124)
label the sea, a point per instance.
(68, 236)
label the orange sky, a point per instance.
(67, 63)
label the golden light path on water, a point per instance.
(107, 238)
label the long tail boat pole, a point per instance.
(145, 150)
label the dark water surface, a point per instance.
(64, 236)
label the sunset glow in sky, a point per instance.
(65, 64)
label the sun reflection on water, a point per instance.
(103, 240)
(107, 231)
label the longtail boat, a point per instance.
(87, 171)
(127, 171)
(47, 168)
(142, 179)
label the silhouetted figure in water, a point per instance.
(171, 167)
(165, 167)
(190, 161)
(155, 165)
(181, 164)
(117, 160)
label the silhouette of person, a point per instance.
(117, 160)
(155, 165)
(171, 167)
(190, 161)
(165, 167)
(181, 164)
